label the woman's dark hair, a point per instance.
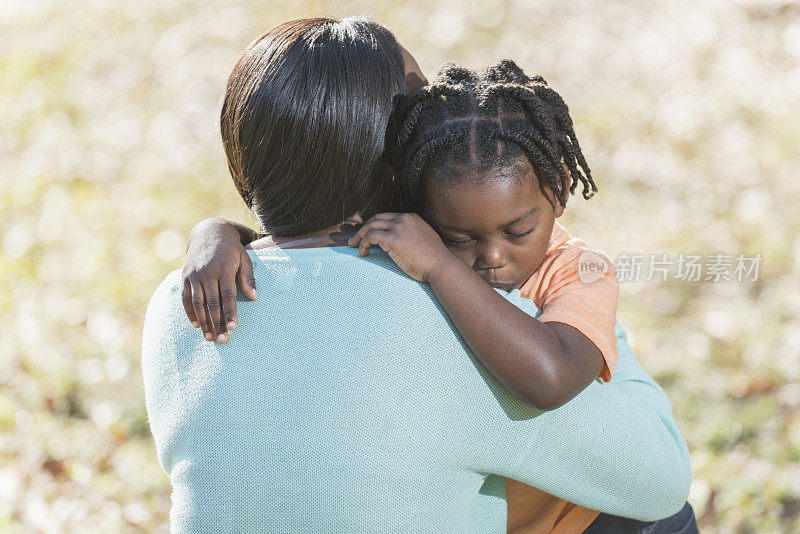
(482, 120)
(304, 121)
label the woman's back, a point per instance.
(345, 401)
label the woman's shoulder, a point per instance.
(168, 288)
(333, 267)
(165, 314)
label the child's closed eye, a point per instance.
(456, 242)
(523, 234)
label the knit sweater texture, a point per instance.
(346, 401)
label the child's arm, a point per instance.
(215, 258)
(544, 364)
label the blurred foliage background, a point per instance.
(687, 111)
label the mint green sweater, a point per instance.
(346, 401)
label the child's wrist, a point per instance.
(441, 267)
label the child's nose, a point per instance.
(492, 257)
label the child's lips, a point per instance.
(505, 286)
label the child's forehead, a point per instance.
(496, 174)
(485, 208)
(487, 185)
(490, 195)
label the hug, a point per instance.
(424, 353)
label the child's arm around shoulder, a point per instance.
(215, 258)
(543, 364)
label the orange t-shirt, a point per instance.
(577, 286)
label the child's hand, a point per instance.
(411, 242)
(214, 259)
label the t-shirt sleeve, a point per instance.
(579, 288)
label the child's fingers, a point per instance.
(385, 216)
(373, 237)
(227, 290)
(369, 226)
(211, 288)
(246, 278)
(186, 298)
(199, 304)
(356, 239)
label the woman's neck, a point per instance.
(335, 236)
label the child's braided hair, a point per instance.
(482, 120)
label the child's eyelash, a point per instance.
(523, 234)
(509, 234)
(455, 242)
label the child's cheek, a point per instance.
(462, 253)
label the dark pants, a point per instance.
(681, 523)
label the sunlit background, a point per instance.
(688, 114)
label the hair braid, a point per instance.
(544, 162)
(553, 121)
(424, 149)
(487, 118)
(424, 98)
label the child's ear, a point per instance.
(558, 209)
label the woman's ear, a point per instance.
(415, 79)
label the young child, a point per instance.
(486, 160)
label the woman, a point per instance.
(346, 401)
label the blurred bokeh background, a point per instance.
(687, 111)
